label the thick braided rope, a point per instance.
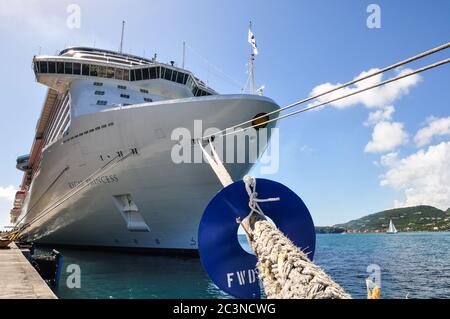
(286, 271)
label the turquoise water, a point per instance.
(416, 265)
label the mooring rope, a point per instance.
(316, 105)
(43, 193)
(285, 270)
(231, 129)
(85, 183)
(216, 164)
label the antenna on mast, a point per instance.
(251, 61)
(121, 38)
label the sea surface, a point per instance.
(412, 265)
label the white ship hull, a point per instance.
(170, 197)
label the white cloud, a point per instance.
(374, 98)
(389, 159)
(377, 116)
(7, 193)
(386, 136)
(423, 177)
(436, 127)
(6, 201)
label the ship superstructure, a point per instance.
(100, 172)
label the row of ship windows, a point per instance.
(88, 131)
(122, 87)
(104, 102)
(156, 72)
(124, 96)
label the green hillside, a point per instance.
(417, 218)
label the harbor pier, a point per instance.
(19, 279)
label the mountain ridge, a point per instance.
(406, 219)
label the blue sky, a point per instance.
(325, 156)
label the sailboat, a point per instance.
(391, 229)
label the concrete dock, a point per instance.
(18, 278)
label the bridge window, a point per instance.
(85, 69)
(43, 67)
(146, 99)
(102, 71)
(152, 73)
(60, 67)
(168, 74)
(68, 68)
(93, 70)
(99, 92)
(76, 68)
(51, 67)
(138, 74)
(144, 91)
(174, 76)
(126, 75)
(110, 73)
(102, 102)
(122, 87)
(145, 74)
(125, 96)
(180, 77)
(119, 74)
(98, 84)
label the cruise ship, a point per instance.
(100, 172)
